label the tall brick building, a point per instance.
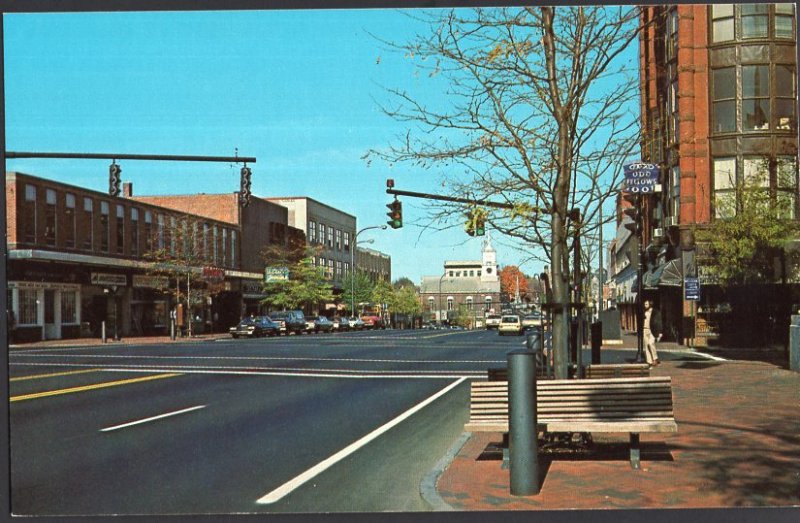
(718, 105)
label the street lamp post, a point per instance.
(439, 315)
(353, 264)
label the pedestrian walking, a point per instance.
(652, 332)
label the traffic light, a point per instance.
(244, 192)
(634, 212)
(476, 222)
(395, 214)
(114, 179)
(480, 224)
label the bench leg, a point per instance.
(506, 453)
(635, 452)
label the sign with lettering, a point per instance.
(641, 177)
(691, 289)
(150, 282)
(213, 274)
(104, 278)
(276, 274)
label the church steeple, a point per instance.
(488, 260)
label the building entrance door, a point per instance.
(52, 323)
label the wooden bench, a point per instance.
(617, 370)
(632, 405)
(594, 371)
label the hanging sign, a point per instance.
(641, 177)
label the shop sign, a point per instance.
(213, 274)
(641, 177)
(104, 278)
(252, 288)
(150, 282)
(276, 274)
(43, 285)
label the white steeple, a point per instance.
(489, 260)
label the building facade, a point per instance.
(78, 258)
(375, 264)
(474, 285)
(719, 107)
(262, 223)
(327, 228)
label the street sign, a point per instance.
(691, 289)
(641, 177)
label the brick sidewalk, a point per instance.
(737, 445)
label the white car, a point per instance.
(533, 319)
(510, 323)
(492, 321)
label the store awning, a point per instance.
(668, 274)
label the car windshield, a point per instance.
(247, 321)
(510, 319)
(278, 315)
(494, 316)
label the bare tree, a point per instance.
(540, 112)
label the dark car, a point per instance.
(322, 324)
(289, 321)
(255, 328)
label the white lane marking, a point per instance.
(320, 467)
(254, 358)
(255, 371)
(153, 418)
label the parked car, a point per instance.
(510, 324)
(355, 323)
(341, 324)
(534, 319)
(373, 321)
(289, 321)
(255, 327)
(493, 321)
(322, 324)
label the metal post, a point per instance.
(523, 442)
(640, 304)
(103, 331)
(116, 317)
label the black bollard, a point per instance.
(597, 341)
(523, 443)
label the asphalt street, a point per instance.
(323, 423)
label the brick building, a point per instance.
(719, 106)
(76, 258)
(261, 223)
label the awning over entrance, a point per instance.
(668, 274)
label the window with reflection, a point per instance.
(50, 218)
(755, 98)
(70, 225)
(722, 23)
(723, 89)
(785, 98)
(755, 20)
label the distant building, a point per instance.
(473, 284)
(375, 264)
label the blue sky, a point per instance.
(296, 89)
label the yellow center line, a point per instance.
(53, 375)
(90, 387)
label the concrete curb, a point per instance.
(427, 487)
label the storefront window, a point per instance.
(724, 99)
(50, 218)
(29, 214)
(28, 307)
(68, 309)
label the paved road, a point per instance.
(345, 422)
(215, 427)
